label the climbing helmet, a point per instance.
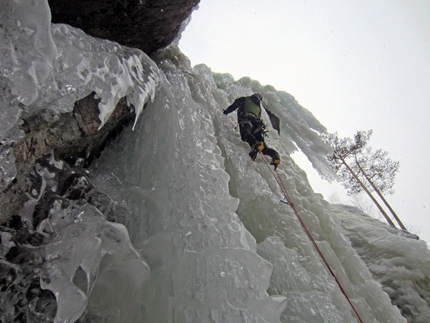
(257, 96)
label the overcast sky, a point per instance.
(356, 65)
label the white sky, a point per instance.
(356, 65)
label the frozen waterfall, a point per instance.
(186, 227)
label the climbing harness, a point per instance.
(250, 120)
(289, 202)
(261, 128)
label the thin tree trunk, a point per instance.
(392, 211)
(381, 196)
(368, 193)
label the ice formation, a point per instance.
(44, 65)
(188, 228)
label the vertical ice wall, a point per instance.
(204, 265)
(187, 168)
(311, 292)
(214, 242)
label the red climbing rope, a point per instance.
(308, 233)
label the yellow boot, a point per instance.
(276, 159)
(259, 146)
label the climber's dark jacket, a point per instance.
(245, 106)
(250, 125)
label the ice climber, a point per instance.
(252, 127)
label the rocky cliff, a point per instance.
(144, 24)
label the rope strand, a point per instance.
(308, 233)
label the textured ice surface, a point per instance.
(87, 261)
(395, 259)
(52, 66)
(200, 234)
(311, 292)
(203, 261)
(55, 65)
(85, 64)
(74, 270)
(208, 214)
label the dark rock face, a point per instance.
(73, 136)
(144, 24)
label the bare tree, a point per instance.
(345, 152)
(379, 171)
